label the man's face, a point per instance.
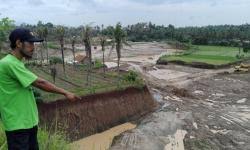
(27, 49)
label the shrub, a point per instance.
(238, 56)
(98, 64)
(131, 76)
(55, 60)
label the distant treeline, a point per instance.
(224, 35)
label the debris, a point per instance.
(181, 92)
(198, 92)
(219, 94)
(242, 101)
(242, 68)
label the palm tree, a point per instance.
(103, 43)
(60, 33)
(40, 34)
(87, 42)
(73, 49)
(45, 35)
(119, 36)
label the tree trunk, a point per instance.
(89, 67)
(47, 51)
(103, 62)
(41, 59)
(74, 56)
(62, 50)
(118, 65)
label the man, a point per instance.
(18, 107)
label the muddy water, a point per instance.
(101, 141)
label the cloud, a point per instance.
(177, 12)
(35, 2)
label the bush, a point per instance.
(246, 47)
(238, 56)
(54, 141)
(131, 76)
(200, 41)
(52, 45)
(98, 64)
(55, 60)
(179, 45)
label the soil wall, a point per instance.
(96, 113)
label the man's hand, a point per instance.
(49, 87)
(71, 97)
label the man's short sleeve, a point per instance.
(22, 74)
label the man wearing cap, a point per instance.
(18, 107)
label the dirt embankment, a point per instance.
(196, 64)
(96, 113)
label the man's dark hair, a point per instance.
(12, 45)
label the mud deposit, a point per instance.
(101, 141)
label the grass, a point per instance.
(215, 55)
(75, 81)
(52, 45)
(46, 141)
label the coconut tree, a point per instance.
(60, 34)
(119, 36)
(103, 43)
(86, 34)
(40, 33)
(73, 40)
(45, 35)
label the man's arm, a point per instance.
(49, 87)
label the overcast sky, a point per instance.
(109, 12)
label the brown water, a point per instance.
(101, 141)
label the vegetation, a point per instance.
(55, 60)
(220, 35)
(6, 25)
(103, 43)
(119, 37)
(74, 80)
(60, 33)
(46, 140)
(52, 45)
(216, 55)
(73, 40)
(87, 38)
